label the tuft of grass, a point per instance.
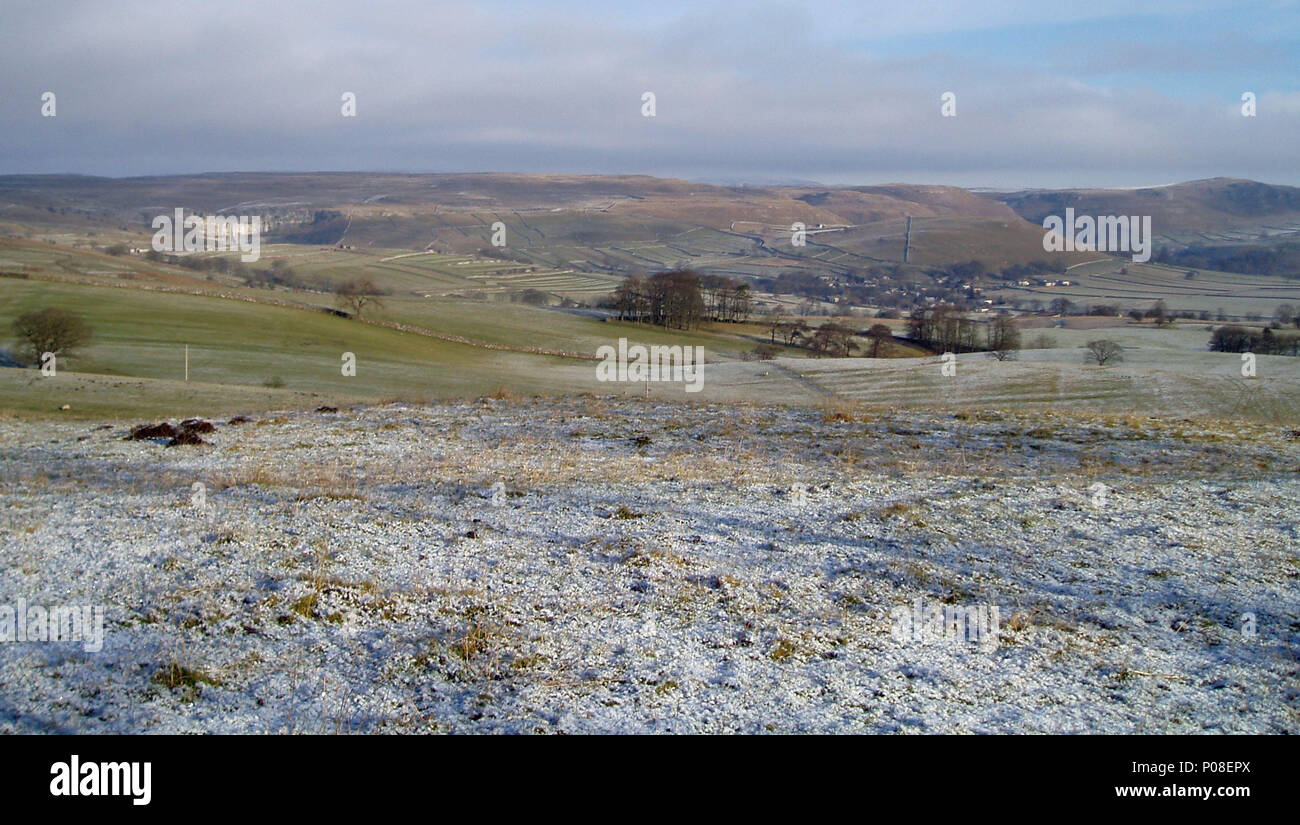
(189, 680)
(474, 642)
(898, 508)
(782, 650)
(503, 393)
(306, 606)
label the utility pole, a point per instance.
(187, 362)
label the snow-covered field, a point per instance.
(601, 565)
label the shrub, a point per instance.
(51, 330)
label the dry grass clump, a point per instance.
(189, 680)
(502, 393)
(839, 410)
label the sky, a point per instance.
(1047, 94)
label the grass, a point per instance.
(243, 356)
(1141, 285)
(783, 650)
(189, 681)
(246, 356)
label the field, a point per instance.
(240, 340)
(241, 344)
(616, 565)
(1164, 373)
(474, 533)
(1139, 286)
(255, 349)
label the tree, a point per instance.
(790, 330)
(51, 330)
(1003, 338)
(356, 294)
(1284, 314)
(1062, 306)
(832, 339)
(725, 299)
(1160, 315)
(630, 299)
(881, 338)
(775, 325)
(1104, 351)
(1233, 338)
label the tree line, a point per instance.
(1232, 338)
(946, 328)
(682, 298)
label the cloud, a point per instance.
(755, 90)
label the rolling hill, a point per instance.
(1217, 210)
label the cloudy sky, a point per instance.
(1093, 93)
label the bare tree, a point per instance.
(1003, 338)
(51, 330)
(881, 337)
(1104, 351)
(790, 330)
(776, 324)
(356, 294)
(832, 339)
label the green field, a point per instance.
(1139, 286)
(144, 334)
(144, 317)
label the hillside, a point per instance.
(616, 224)
(1218, 210)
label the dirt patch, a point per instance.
(141, 432)
(186, 437)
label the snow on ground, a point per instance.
(616, 565)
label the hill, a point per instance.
(1213, 211)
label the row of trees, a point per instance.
(943, 328)
(831, 338)
(1232, 338)
(682, 298)
(946, 328)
